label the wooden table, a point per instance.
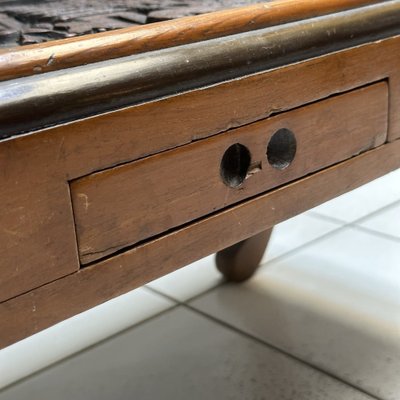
(127, 154)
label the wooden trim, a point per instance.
(33, 102)
(30, 60)
(54, 302)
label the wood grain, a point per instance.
(71, 52)
(98, 283)
(37, 234)
(114, 138)
(124, 205)
(44, 100)
(52, 157)
(41, 279)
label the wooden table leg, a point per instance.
(239, 262)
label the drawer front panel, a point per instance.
(124, 205)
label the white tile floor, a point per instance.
(320, 320)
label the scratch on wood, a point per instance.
(11, 232)
(239, 222)
(86, 200)
(51, 59)
(61, 151)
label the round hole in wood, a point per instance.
(281, 148)
(235, 164)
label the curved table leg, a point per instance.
(239, 262)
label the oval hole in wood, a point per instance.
(281, 148)
(235, 164)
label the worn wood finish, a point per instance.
(86, 146)
(95, 284)
(138, 131)
(34, 102)
(239, 262)
(124, 205)
(37, 237)
(67, 53)
(60, 154)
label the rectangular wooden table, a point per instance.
(125, 155)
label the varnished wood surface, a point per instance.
(34, 102)
(49, 304)
(41, 25)
(157, 126)
(53, 157)
(37, 237)
(240, 261)
(124, 205)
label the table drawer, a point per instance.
(121, 206)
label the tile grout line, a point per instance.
(305, 245)
(92, 346)
(341, 226)
(370, 231)
(265, 343)
(355, 224)
(281, 351)
(357, 220)
(224, 282)
(328, 218)
(376, 212)
(177, 303)
(169, 297)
